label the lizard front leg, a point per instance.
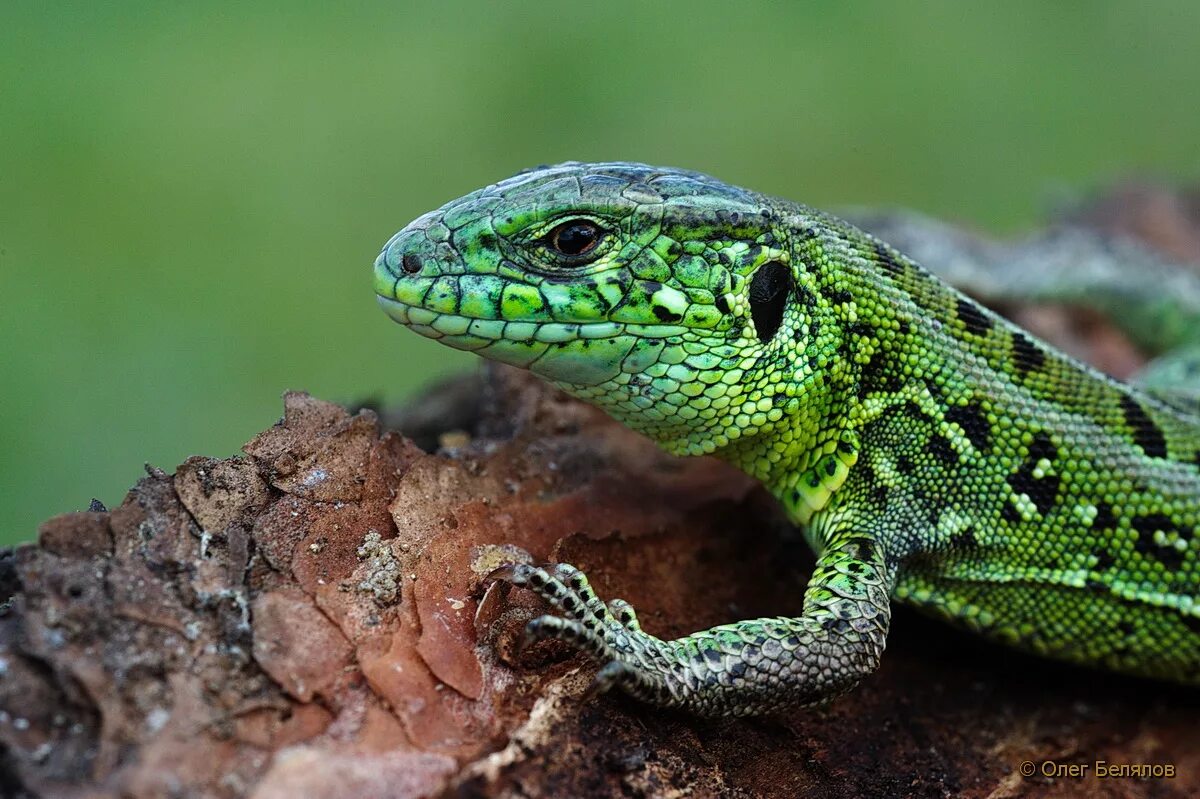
(740, 669)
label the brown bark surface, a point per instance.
(311, 619)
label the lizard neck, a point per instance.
(848, 369)
(802, 474)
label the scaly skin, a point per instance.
(932, 452)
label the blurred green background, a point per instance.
(191, 196)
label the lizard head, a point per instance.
(663, 296)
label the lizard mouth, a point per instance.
(447, 327)
(462, 332)
(575, 353)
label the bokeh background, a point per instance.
(191, 195)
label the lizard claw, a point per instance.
(632, 658)
(586, 622)
(609, 675)
(508, 573)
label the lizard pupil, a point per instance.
(575, 238)
(768, 298)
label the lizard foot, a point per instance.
(609, 631)
(739, 669)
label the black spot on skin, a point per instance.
(865, 546)
(1026, 355)
(972, 419)
(1192, 623)
(1146, 526)
(886, 260)
(1042, 446)
(845, 348)
(905, 328)
(1104, 520)
(934, 506)
(1104, 560)
(664, 314)
(973, 318)
(939, 447)
(913, 411)
(835, 295)
(1009, 513)
(831, 467)
(1146, 434)
(1096, 586)
(1124, 628)
(877, 375)
(721, 303)
(964, 539)
(769, 291)
(870, 481)
(860, 329)
(904, 465)
(1042, 491)
(737, 669)
(805, 298)
(600, 298)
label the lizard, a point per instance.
(931, 452)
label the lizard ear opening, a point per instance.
(769, 291)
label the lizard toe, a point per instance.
(625, 615)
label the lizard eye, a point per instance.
(768, 298)
(575, 238)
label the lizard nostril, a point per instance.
(410, 263)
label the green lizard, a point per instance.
(932, 452)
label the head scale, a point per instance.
(665, 297)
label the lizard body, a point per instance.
(932, 452)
